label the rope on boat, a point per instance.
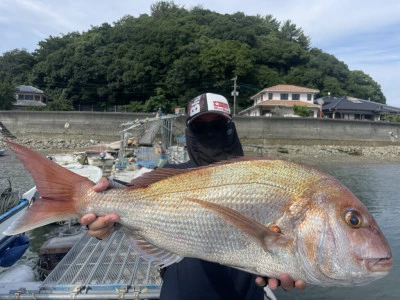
(8, 197)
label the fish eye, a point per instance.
(353, 219)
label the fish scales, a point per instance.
(267, 217)
(261, 195)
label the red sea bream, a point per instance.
(267, 217)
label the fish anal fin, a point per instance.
(267, 237)
(150, 252)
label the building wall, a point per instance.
(108, 126)
(277, 96)
(30, 96)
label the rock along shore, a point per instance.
(308, 154)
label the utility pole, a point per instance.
(234, 94)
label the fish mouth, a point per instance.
(379, 264)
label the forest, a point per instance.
(170, 56)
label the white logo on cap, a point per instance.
(195, 108)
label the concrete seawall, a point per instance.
(322, 131)
(260, 130)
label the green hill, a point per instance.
(173, 54)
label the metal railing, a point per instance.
(100, 268)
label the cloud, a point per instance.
(41, 13)
(40, 34)
(327, 20)
(4, 19)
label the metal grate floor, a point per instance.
(99, 266)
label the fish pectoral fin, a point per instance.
(263, 234)
(151, 252)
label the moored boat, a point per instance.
(99, 158)
(12, 206)
(91, 172)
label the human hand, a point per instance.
(102, 185)
(284, 280)
(100, 227)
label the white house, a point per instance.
(279, 100)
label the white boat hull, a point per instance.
(17, 212)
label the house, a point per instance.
(351, 108)
(279, 100)
(29, 96)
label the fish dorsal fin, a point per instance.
(156, 175)
(164, 173)
(263, 234)
(150, 252)
(239, 159)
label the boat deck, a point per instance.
(105, 269)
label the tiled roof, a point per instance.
(288, 103)
(289, 88)
(350, 103)
(28, 89)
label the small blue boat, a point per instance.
(2, 151)
(11, 247)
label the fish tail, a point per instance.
(59, 189)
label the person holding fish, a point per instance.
(262, 216)
(210, 137)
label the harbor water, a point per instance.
(375, 184)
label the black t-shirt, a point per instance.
(196, 279)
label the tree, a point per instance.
(361, 85)
(302, 111)
(393, 118)
(60, 102)
(15, 66)
(7, 95)
(157, 101)
(290, 32)
(224, 59)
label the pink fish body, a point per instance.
(267, 217)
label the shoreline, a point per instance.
(319, 154)
(310, 154)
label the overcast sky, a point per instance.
(364, 34)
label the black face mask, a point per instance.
(213, 141)
(209, 128)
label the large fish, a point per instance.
(267, 217)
